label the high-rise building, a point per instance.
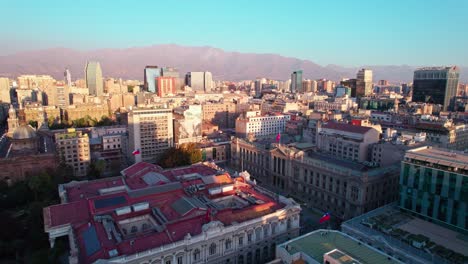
(150, 75)
(170, 72)
(199, 81)
(151, 132)
(208, 77)
(73, 149)
(306, 86)
(351, 83)
(165, 86)
(437, 85)
(67, 77)
(5, 90)
(296, 81)
(364, 83)
(434, 185)
(93, 77)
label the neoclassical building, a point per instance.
(26, 153)
(194, 214)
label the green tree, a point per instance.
(33, 123)
(96, 169)
(185, 155)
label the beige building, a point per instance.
(35, 81)
(73, 149)
(346, 141)
(222, 114)
(5, 90)
(343, 188)
(151, 132)
(95, 111)
(42, 113)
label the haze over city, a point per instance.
(234, 132)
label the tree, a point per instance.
(186, 154)
(34, 184)
(96, 168)
(33, 123)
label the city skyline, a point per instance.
(330, 33)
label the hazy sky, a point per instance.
(351, 33)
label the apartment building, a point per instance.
(73, 149)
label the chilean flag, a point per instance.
(325, 217)
(136, 152)
(278, 137)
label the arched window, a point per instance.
(212, 249)
(144, 226)
(288, 223)
(134, 229)
(196, 254)
(273, 228)
(124, 230)
(258, 234)
(228, 243)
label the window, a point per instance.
(228, 244)
(249, 237)
(241, 240)
(167, 262)
(196, 254)
(180, 260)
(212, 249)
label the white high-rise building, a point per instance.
(199, 81)
(208, 81)
(150, 132)
(67, 76)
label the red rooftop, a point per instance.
(148, 207)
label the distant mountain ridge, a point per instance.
(129, 63)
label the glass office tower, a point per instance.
(434, 185)
(437, 85)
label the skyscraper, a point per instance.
(67, 77)
(296, 81)
(364, 83)
(151, 73)
(208, 81)
(5, 90)
(199, 81)
(351, 83)
(93, 77)
(436, 85)
(151, 132)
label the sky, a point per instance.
(346, 32)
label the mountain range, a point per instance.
(129, 63)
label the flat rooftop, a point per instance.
(148, 207)
(320, 242)
(399, 228)
(443, 157)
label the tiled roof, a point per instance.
(346, 127)
(176, 210)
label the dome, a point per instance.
(24, 132)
